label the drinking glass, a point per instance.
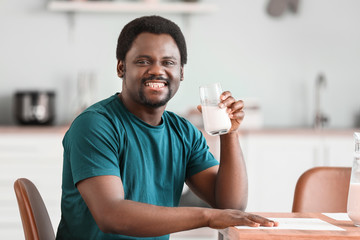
(353, 207)
(216, 119)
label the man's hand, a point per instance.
(221, 219)
(233, 108)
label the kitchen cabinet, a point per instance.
(131, 7)
(338, 151)
(38, 157)
(276, 159)
(274, 163)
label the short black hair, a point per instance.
(150, 24)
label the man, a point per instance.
(126, 158)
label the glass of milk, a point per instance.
(216, 120)
(353, 207)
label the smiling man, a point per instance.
(126, 158)
(151, 72)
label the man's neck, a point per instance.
(149, 115)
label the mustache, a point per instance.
(143, 80)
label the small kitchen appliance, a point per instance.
(34, 107)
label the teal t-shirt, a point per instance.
(152, 161)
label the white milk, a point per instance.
(353, 207)
(216, 120)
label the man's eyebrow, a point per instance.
(149, 57)
(170, 57)
(143, 56)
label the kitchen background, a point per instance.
(271, 61)
(290, 60)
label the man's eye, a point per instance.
(169, 63)
(142, 62)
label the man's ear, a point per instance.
(120, 68)
(182, 73)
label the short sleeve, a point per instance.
(200, 158)
(92, 145)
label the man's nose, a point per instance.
(156, 69)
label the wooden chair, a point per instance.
(34, 216)
(322, 189)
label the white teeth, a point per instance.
(155, 85)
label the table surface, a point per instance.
(351, 231)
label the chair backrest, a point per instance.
(34, 216)
(322, 189)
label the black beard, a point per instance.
(147, 102)
(151, 104)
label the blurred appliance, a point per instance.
(276, 8)
(34, 107)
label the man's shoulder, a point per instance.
(104, 105)
(104, 113)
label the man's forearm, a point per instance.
(231, 187)
(144, 220)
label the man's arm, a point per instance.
(231, 181)
(226, 186)
(104, 196)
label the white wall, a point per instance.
(275, 60)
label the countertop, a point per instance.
(33, 129)
(263, 131)
(299, 131)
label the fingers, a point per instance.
(230, 217)
(236, 112)
(263, 221)
(248, 222)
(234, 108)
(226, 99)
(252, 220)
